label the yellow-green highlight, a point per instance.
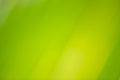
(59, 40)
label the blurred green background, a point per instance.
(59, 40)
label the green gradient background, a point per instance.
(59, 40)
